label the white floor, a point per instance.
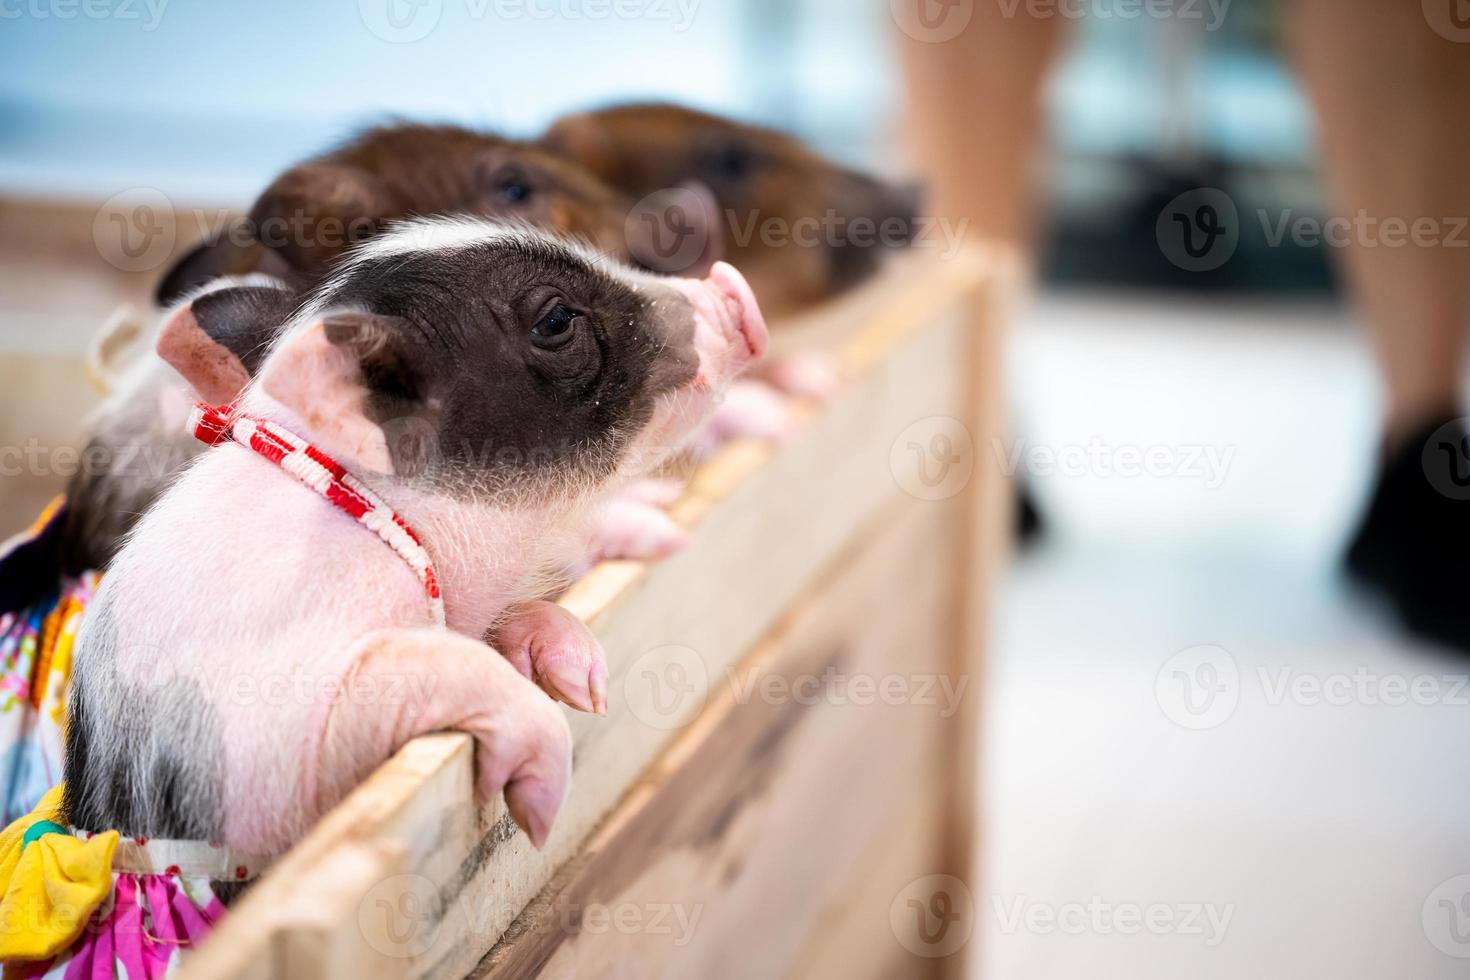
(1206, 756)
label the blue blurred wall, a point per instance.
(206, 99)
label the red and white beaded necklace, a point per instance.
(216, 424)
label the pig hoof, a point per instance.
(556, 650)
(636, 530)
(751, 410)
(572, 674)
(809, 374)
(657, 491)
(535, 790)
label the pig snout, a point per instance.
(888, 215)
(729, 330)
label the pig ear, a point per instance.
(582, 138)
(327, 372)
(312, 214)
(219, 339)
(234, 254)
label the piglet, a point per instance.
(254, 651)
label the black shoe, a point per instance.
(1413, 544)
(1028, 519)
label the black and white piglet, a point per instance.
(489, 385)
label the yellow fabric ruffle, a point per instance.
(49, 887)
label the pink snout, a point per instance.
(729, 330)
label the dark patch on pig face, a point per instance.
(508, 362)
(314, 213)
(801, 228)
(245, 319)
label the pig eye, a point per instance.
(555, 328)
(514, 189)
(731, 162)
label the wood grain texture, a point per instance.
(821, 753)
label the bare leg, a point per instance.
(405, 683)
(1392, 99)
(974, 111)
(1393, 108)
(975, 125)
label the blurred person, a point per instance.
(1392, 99)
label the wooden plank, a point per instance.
(769, 520)
(743, 837)
(343, 926)
(987, 524)
(855, 939)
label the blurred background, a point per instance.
(1294, 834)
